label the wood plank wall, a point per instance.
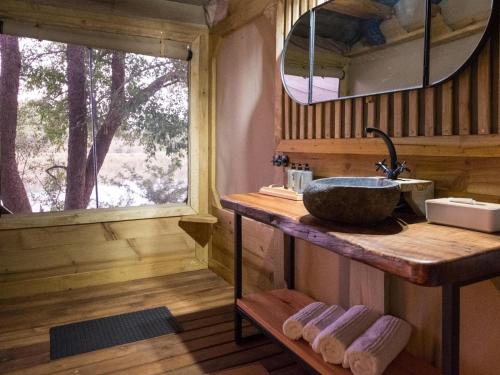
(466, 105)
(39, 260)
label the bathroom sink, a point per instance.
(352, 200)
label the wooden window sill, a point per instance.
(101, 215)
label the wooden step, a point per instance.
(271, 309)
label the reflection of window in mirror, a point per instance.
(457, 29)
(296, 62)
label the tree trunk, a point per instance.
(119, 109)
(12, 189)
(111, 124)
(77, 140)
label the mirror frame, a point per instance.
(312, 27)
(426, 66)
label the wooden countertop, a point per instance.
(422, 253)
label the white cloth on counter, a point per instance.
(371, 353)
(334, 340)
(315, 326)
(293, 326)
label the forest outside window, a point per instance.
(90, 128)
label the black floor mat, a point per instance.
(103, 333)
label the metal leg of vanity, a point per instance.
(451, 323)
(451, 329)
(289, 269)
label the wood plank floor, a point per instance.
(200, 300)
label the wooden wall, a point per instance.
(39, 260)
(448, 134)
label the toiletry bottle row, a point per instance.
(299, 177)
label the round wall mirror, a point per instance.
(295, 63)
(350, 48)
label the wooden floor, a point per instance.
(200, 300)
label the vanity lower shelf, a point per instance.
(269, 310)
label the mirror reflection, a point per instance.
(367, 47)
(457, 29)
(296, 61)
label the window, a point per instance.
(88, 128)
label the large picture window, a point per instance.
(90, 128)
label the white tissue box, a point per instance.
(464, 213)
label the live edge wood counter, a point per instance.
(422, 253)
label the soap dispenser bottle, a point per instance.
(306, 177)
(291, 177)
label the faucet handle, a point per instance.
(400, 169)
(403, 167)
(380, 165)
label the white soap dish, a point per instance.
(464, 213)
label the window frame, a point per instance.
(197, 38)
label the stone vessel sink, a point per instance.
(352, 200)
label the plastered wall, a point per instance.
(245, 102)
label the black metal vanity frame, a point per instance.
(450, 302)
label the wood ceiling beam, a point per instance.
(91, 20)
(152, 9)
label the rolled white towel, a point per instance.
(315, 326)
(334, 340)
(293, 326)
(371, 353)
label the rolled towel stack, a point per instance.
(294, 326)
(334, 340)
(315, 326)
(371, 353)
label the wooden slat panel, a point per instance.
(295, 120)
(371, 116)
(484, 92)
(287, 115)
(288, 17)
(347, 118)
(359, 114)
(398, 114)
(447, 108)
(311, 122)
(329, 119)
(338, 119)
(464, 102)
(304, 6)
(413, 113)
(319, 121)
(302, 122)
(384, 113)
(430, 113)
(295, 10)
